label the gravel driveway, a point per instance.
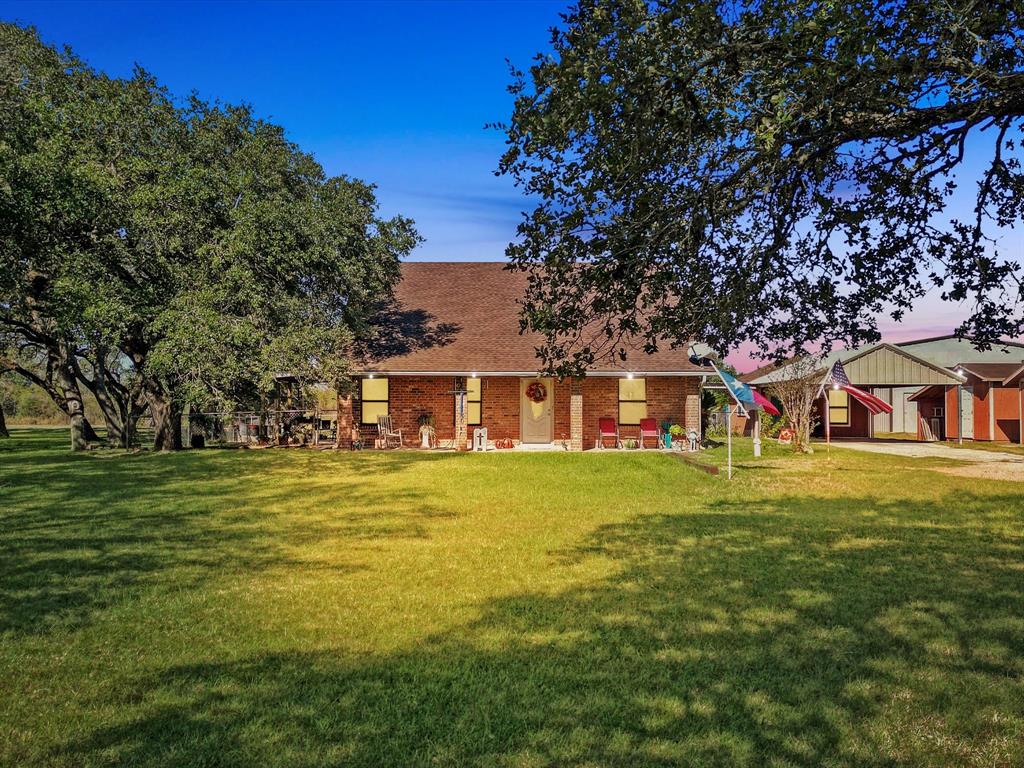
(989, 465)
(930, 451)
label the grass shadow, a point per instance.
(794, 631)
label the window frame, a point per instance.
(479, 400)
(831, 408)
(618, 393)
(362, 400)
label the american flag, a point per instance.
(839, 380)
(838, 375)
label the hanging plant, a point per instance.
(537, 392)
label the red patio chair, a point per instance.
(649, 428)
(607, 427)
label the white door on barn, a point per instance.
(536, 410)
(967, 411)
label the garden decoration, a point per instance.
(537, 392)
(694, 439)
(428, 435)
(673, 431)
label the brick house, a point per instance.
(457, 355)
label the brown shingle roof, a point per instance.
(461, 317)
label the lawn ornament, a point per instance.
(693, 438)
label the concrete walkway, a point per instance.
(930, 451)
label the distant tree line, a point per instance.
(158, 252)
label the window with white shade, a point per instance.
(838, 408)
(632, 401)
(374, 396)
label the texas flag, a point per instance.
(746, 395)
(839, 380)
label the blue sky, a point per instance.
(395, 93)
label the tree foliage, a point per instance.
(782, 172)
(163, 253)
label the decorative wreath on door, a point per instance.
(537, 392)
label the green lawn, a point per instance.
(292, 608)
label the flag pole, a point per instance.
(728, 435)
(756, 416)
(828, 429)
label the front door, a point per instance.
(536, 411)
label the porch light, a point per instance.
(629, 375)
(472, 375)
(371, 376)
(835, 386)
(959, 371)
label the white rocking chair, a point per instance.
(387, 435)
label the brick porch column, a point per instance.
(343, 436)
(461, 415)
(691, 388)
(576, 415)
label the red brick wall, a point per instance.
(411, 396)
(666, 401)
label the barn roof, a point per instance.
(991, 371)
(872, 365)
(463, 317)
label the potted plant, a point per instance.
(675, 431)
(666, 436)
(427, 433)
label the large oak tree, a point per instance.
(780, 172)
(163, 253)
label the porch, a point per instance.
(520, 412)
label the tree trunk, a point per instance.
(166, 422)
(135, 406)
(90, 433)
(113, 411)
(3, 423)
(81, 430)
